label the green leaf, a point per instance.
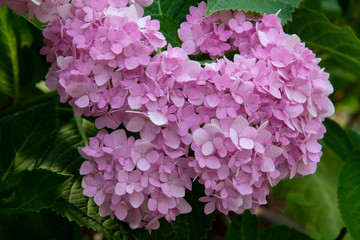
(31, 191)
(243, 227)
(281, 232)
(169, 27)
(318, 32)
(336, 139)
(260, 6)
(349, 194)
(9, 65)
(310, 201)
(25, 137)
(177, 9)
(20, 61)
(39, 25)
(63, 157)
(354, 138)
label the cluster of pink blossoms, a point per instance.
(236, 126)
(42, 9)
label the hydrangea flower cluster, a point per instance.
(235, 126)
(42, 9)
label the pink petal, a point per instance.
(152, 204)
(136, 199)
(83, 101)
(267, 165)
(313, 146)
(120, 189)
(143, 164)
(86, 168)
(99, 198)
(200, 137)
(135, 124)
(213, 162)
(163, 208)
(212, 100)
(157, 118)
(207, 148)
(245, 189)
(121, 212)
(209, 207)
(246, 143)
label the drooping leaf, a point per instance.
(31, 191)
(310, 201)
(281, 232)
(318, 32)
(270, 6)
(349, 194)
(336, 139)
(25, 137)
(9, 62)
(20, 61)
(243, 227)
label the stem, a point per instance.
(225, 219)
(269, 217)
(342, 233)
(78, 121)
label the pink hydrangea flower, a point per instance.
(235, 126)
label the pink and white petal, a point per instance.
(135, 124)
(207, 148)
(99, 198)
(120, 188)
(200, 137)
(213, 162)
(246, 143)
(136, 199)
(267, 165)
(209, 207)
(86, 168)
(143, 164)
(82, 101)
(163, 208)
(152, 204)
(157, 118)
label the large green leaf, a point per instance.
(243, 227)
(311, 200)
(9, 62)
(63, 157)
(177, 9)
(281, 232)
(20, 61)
(349, 194)
(31, 191)
(270, 6)
(318, 32)
(336, 139)
(25, 137)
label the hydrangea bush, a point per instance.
(238, 123)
